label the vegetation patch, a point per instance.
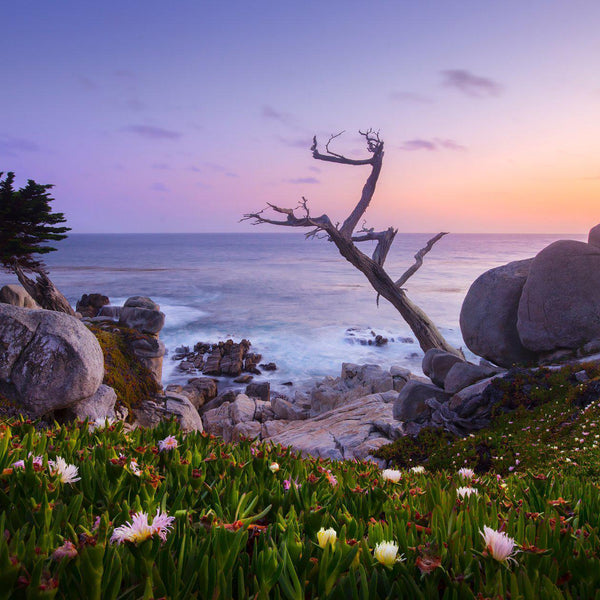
(123, 371)
(90, 512)
(541, 420)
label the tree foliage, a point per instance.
(27, 223)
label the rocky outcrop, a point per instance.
(537, 310)
(96, 408)
(165, 407)
(437, 363)
(48, 360)
(560, 304)
(227, 359)
(488, 317)
(17, 295)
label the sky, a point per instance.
(181, 116)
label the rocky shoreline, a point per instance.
(543, 311)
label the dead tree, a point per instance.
(345, 237)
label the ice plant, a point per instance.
(461, 492)
(419, 470)
(169, 443)
(274, 467)
(498, 545)
(66, 473)
(387, 553)
(67, 550)
(391, 475)
(466, 473)
(326, 536)
(140, 529)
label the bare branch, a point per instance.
(320, 223)
(419, 259)
(333, 157)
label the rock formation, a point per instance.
(17, 295)
(48, 360)
(527, 311)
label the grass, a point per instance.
(244, 528)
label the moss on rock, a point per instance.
(123, 371)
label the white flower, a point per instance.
(139, 529)
(326, 536)
(169, 443)
(466, 473)
(66, 473)
(466, 491)
(498, 544)
(419, 470)
(274, 467)
(391, 475)
(387, 553)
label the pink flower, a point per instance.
(67, 550)
(140, 529)
(499, 545)
(169, 443)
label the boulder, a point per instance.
(217, 421)
(151, 413)
(200, 390)
(48, 360)
(248, 430)
(411, 402)
(141, 302)
(242, 409)
(560, 304)
(464, 374)
(488, 317)
(17, 295)
(110, 312)
(438, 364)
(96, 408)
(284, 409)
(150, 351)
(594, 236)
(89, 305)
(143, 319)
(259, 390)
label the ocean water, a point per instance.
(294, 299)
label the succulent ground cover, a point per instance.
(544, 420)
(98, 512)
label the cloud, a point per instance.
(160, 166)
(410, 97)
(11, 146)
(297, 142)
(158, 187)
(221, 169)
(314, 169)
(431, 145)
(469, 84)
(310, 180)
(272, 114)
(86, 83)
(155, 133)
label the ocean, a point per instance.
(300, 304)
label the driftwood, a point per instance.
(345, 238)
(43, 291)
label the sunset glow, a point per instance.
(157, 117)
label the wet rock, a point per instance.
(89, 305)
(259, 390)
(246, 378)
(438, 364)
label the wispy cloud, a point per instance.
(469, 84)
(309, 180)
(155, 133)
(160, 166)
(159, 187)
(221, 169)
(410, 97)
(431, 145)
(11, 146)
(303, 142)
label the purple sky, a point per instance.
(154, 116)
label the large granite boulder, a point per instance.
(17, 295)
(96, 408)
(560, 303)
(436, 364)
(488, 317)
(48, 360)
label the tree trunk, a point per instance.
(44, 292)
(424, 329)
